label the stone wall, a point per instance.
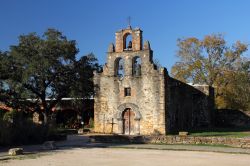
(147, 93)
(161, 104)
(232, 118)
(173, 140)
(189, 107)
(229, 141)
(147, 89)
(121, 39)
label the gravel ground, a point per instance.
(130, 157)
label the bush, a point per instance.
(2, 112)
(17, 130)
(12, 116)
(91, 123)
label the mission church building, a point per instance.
(136, 97)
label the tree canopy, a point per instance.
(211, 61)
(41, 68)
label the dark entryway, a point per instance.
(128, 121)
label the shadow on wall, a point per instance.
(232, 118)
(190, 107)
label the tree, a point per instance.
(236, 93)
(84, 68)
(210, 61)
(8, 95)
(39, 68)
(83, 87)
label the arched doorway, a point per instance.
(128, 121)
(133, 125)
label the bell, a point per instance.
(130, 44)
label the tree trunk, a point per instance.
(45, 118)
(44, 110)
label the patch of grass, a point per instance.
(221, 134)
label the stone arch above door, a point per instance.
(134, 108)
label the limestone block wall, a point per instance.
(147, 93)
(174, 139)
(160, 103)
(121, 39)
(232, 118)
(188, 106)
(192, 140)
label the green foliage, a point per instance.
(84, 68)
(210, 61)
(16, 130)
(236, 93)
(12, 116)
(91, 123)
(2, 112)
(236, 134)
(41, 67)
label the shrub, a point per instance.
(17, 130)
(2, 112)
(12, 116)
(91, 123)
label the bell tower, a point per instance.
(130, 98)
(121, 40)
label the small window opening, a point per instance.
(127, 91)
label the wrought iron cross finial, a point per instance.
(129, 21)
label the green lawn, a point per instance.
(222, 132)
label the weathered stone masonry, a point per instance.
(173, 140)
(135, 97)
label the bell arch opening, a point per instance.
(119, 67)
(127, 42)
(136, 67)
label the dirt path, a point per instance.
(134, 157)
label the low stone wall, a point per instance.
(186, 140)
(229, 141)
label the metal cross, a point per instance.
(129, 20)
(112, 125)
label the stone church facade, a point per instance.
(136, 97)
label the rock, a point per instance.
(15, 151)
(92, 140)
(183, 133)
(80, 131)
(246, 146)
(49, 145)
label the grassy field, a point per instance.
(222, 132)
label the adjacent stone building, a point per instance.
(136, 97)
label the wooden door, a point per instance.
(128, 122)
